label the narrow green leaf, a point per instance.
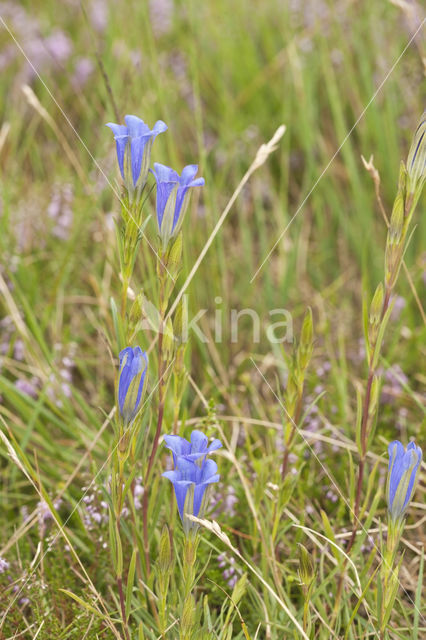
(330, 534)
(358, 604)
(81, 602)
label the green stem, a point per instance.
(123, 608)
(294, 421)
(161, 390)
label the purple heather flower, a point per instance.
(229, 570)
(402, 474)
(173, 197)
(190, 482)
(4, 565)
(134, 141)
(29, 387)
(161, 16)
(99, 15)
(193, 450)
(133, 367)
(83, 69)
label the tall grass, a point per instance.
(223, 76)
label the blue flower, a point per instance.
(192, 475)
(190, 482)
(192, 450)
(173, 197)
(402, 474)
(134, 141)
(133, 367)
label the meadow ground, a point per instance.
(304, 404)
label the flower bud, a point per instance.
(306, 566)
(133, 367)
(397, 220)
(168, 340)
(180, 321)
(306, 340)
(165, 553)
(376, 306)
(416, 161)
(403, 470)
(174, 255)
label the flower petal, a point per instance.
(215, 444)
(117, 129)
(137, 149)
(121, 140)
(178, 446)
(199, 182)
(136, 127)
(188, 173)
(415, 454)
(159, 127)
(198, 442)
(163, 173)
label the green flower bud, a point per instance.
(306, 340)
(174, 254)
(376, 307)
(306, 566)
(165, 553)
(168, 340)
(397, 220)
(416, 161)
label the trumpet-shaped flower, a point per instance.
(198, 446)
(192, 475)
(190, 482)
(133, 367)
(134, 141)
(173, 197)
(402, 475)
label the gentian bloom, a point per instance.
(192, 450)
(133, 367)
(402, 475)
(190, 482)
(192, 475)
(134, 141)
(173, 197)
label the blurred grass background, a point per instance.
(223, 76)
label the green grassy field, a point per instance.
(306, 230)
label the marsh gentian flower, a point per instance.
(197, 448)
(134, 141)
(192, 475)
(133, 366)
(402, 475)
(173, 197)
(190, 482)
